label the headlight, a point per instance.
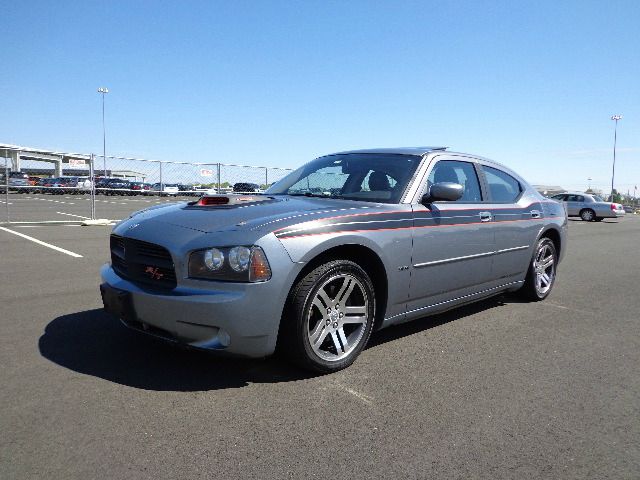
(232, 264)
(239, 258)
(213, 259)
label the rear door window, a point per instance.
(502, 186)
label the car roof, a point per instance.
(396, 151)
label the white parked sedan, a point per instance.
(589, 207)
(165, 189)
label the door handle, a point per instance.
(485, 216)
(535, 214)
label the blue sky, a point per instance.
(530, 84)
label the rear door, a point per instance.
(517, 219)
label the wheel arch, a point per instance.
(554, 235)
(367, 259)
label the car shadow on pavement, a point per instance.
(94, 343)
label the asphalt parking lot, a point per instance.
(499, 389)
(33, 207)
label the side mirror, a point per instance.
(446, 191)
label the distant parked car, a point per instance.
(19, 175)
(102, 184)
(629, 208)
(589, 207)
(188, 190)
(117, 186)
(165, 189)
(19, 184)
(37, 188)
(139, 188)
(47, 185)
(84, 184)
(243, 187)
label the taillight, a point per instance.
(613, 206)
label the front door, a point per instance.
(453, 242)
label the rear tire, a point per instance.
(541, 275)
(328, 317)
(587, 215)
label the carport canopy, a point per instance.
(17, 153)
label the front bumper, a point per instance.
(237, 318)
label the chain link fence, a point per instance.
(63, 187)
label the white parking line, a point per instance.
(44, 226)
(44, 244)
(54, 201)
(72, 215)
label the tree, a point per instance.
(616, 197)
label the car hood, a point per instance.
(270, 214)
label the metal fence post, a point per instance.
(92, 179)
(266, 178)
(161, 185)
(218, 190)
(6, 188)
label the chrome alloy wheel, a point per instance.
(337, 318)
(544, 266)
(587, 215)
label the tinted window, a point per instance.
(575, 198)
(463, 173)
(503, 187)
(559, 197)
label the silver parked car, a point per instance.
(345, 245)
(589, 207)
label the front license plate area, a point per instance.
(118, 303)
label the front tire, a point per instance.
(541, 275)
(329, 317)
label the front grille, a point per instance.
(142, 262)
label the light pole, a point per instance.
(589, 179)
(104, 90)
(615, 138)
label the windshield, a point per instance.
(368, 177)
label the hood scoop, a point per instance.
(229, 201)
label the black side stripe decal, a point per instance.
(404, 220)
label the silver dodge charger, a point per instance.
(347, 244)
